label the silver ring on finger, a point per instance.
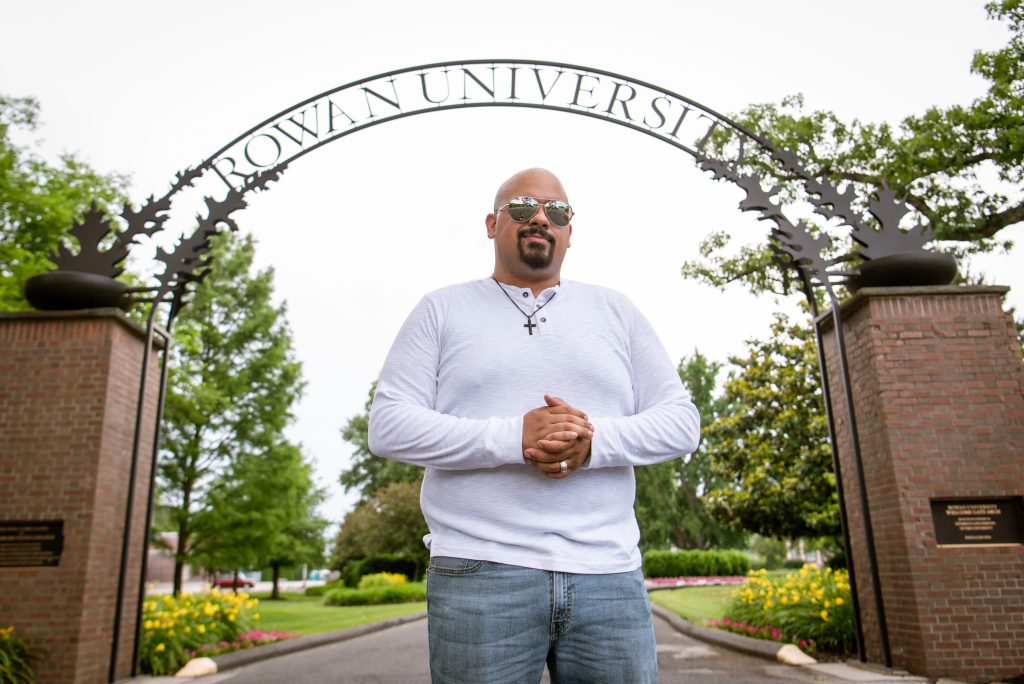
(562, 466)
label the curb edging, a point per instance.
(737, 642)
(230, 661)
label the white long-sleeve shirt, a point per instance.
(464, 370)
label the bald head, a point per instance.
(514, 186)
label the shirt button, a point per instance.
(526, 294)
(543, 320)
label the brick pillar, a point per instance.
(69, 387)
(938, 387)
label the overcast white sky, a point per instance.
(358, 230)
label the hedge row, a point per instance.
(695, 563)
(399, 593)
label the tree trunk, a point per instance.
(274, 593)
(179, 556)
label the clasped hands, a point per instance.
(555, 433)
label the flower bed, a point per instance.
(251, 638)
(177, 629)
(810, 608)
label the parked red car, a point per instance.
(231, 583)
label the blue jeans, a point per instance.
(490, 622)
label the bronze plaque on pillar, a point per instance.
(31, 543)
(978, 522)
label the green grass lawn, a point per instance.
(302, 614)
(696, 604)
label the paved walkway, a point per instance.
(399, 655)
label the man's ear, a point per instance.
(491, 221)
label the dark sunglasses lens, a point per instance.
(522, 209)
(560, 213)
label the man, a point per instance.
(529, 400)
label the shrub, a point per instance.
(382, 579)
(398, 593)
(695, 563)
(175, 629)
(811, 608)
(402, 565)
(16, 659)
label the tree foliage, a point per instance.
(937, 160)
(369, 473)
(40, 200)
(389, 521)
(232, 384)
(770, 449)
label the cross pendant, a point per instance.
(529, 324)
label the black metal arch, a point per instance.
(798, 246)
(508, 102)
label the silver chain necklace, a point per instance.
(529, 325)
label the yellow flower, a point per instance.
(160, 648)
(824, 615)
(201, 629)
(255, 616)
(839, 601)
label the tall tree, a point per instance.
(262, 512)
(387, 522)
(40, 201)
(233, 381)
(770, 450)
(936, 160)
(669, 505)
(387, 519)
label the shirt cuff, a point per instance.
(605, 443)
(504, 439)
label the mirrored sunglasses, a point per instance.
(522, 209)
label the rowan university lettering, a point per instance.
(331, 115)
